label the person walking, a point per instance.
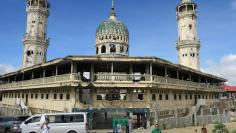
(45, 127)
(130, 125)
(156, 130)
(204, 129)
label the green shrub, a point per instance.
(234, 131)
(220, 128)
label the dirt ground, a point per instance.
(230, 126)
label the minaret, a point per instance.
(188, 44)
(35, 40)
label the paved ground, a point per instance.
(230, 126)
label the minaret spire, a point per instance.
(113, 13)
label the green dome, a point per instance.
(112, 27)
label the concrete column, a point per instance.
(147, 72)
(131, 69)
(150, 71)
(166, 73)
(92, 72)
(32, 75)
(75, 67)
(72, 67)
(178, 76)
(56, 71)
(44, 72)
(112, 71)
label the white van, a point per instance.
(58, 123)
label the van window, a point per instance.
(66, 118)
(34, 119)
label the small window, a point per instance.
(47, 96)
(167, 97)
(140, 96)
(99, 97)
(32, 96)
(190, 27)
(154, 97)
(42, 95)
(67, 96)
(33, 22)
(61, 96)
(191, 97)
(160, 97)
(180, 97)
(175, 97)
(23, 96)
(186, 96)
(36, 96)
(18, 95)
(186, 55)
(55, 96)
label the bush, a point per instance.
(220, 128)
(234, 131)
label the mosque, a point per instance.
(111, 83)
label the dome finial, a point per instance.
(186, 1)
(113, 13)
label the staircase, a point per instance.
(25, 109)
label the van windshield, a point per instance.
(65, 118)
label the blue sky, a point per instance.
(151, 23)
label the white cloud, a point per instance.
(5, 68)
(225, 68)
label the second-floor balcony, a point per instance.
(106, 78)
(40, 82)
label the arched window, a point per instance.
(97, 50)
(121, 49)
(103, 49)
(112, 48)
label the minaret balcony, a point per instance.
(35, 38)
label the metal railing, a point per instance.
(122, 77)
(172, 81)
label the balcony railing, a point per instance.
(109, 77)
(42, 81)
(172, 81)
(122, 77)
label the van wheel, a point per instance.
(72, 132)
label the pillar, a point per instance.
(150, 71)
(166, 74)
(92, 72)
